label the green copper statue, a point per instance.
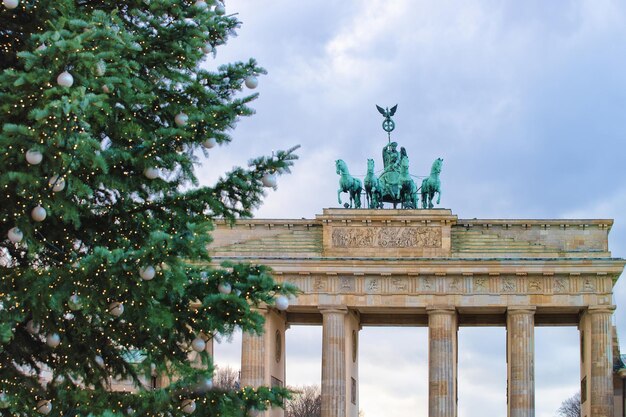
(432, 185)
(373, 191)
(348, 184)
(395, 184)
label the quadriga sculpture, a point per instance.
(348, 184)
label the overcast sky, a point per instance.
(526, 103)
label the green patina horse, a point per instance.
(348, 184)
(373, 191)
(432, 185)
(408, 189)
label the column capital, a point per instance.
(441, 310)
(521, 310)
(337, 309)
(608, 309)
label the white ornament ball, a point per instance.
(147, 273)
(220, 9)
(15, 235)
(209, 143)
(53, 340)
(207, 48)
(4, 400)
(57, 184)
(251, 82)
(38, 214)
(198, 344)
(188, 406)
(34, 157)
(151, 173)
(181, 119)
(282, 302)
(65, 79)
(99, 361)
(116, 309)
(10, 4)
(201, 4)
(41, 47)
(269, 180)
(75, 303)
(106, 89)
(32, 327)
(225, 288)
(44, 407)
(101, 68)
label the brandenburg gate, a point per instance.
(372, 267)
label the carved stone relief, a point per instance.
(346, 284)
(508, 285)
(588, 285)
(372, 285)
(559, 285)
(535, 285)
(386, 237)
(399, 284)
(480, 284)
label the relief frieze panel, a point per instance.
(387, 237)
(453, 285)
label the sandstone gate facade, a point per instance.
(429, 268)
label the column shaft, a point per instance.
(334, 363)
(601, 388)
(521, 361)
(253, 360)
(442, 372)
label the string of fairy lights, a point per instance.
(105, 107)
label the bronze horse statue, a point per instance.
(373, 191)
(348, 184)
(408, 189)
(432, 185)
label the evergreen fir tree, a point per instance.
(104, 271)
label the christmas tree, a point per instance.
(105, 274)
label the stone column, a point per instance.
(520, 326)
(253, 357)
(263, 356)
(442, 362)
(333, 361)
(601, 383)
